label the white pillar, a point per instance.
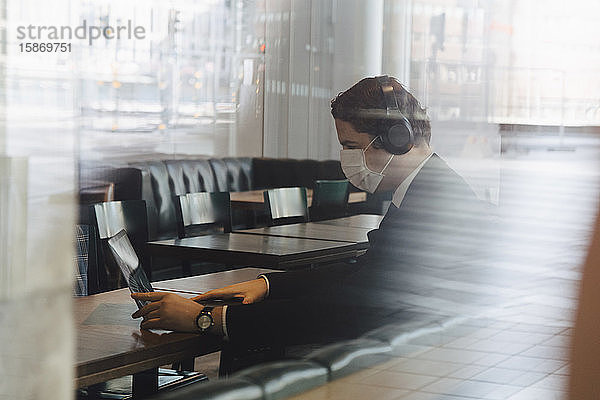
(37, 170)
(358, 41)
(397, 40)
(277, 70)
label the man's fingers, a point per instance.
(211, 295)
(150, 296)
(151, 324)
(217, 294)
(145, 310)
(247, 299)
(152, 315)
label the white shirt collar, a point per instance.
(403, 188)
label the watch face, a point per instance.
(204, 322)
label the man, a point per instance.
(434, 221)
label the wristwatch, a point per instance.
(205, 320)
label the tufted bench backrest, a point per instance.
(157, 181)
(239, 170)
(158, 187)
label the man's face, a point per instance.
(351, 139)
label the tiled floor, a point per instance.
(519, 309)
(483, 358)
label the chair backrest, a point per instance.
(109, 219)
(86, 261)
(330, 199)
(201, 213)
(82, 245)
(331, 193)
(286, 205)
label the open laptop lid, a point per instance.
(129, 263)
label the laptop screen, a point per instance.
(129, 263)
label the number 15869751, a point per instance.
(45, 47)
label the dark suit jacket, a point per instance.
(439, 223)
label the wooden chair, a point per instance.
(286, 205)
(330, 199)
(202, 213)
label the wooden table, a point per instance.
(312, 230)
(110, 343)
(256, 250)
(371, 221)
(255, 198)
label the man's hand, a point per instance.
(249, 292)
(167, 311)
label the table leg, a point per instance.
(145, 383)
(187, 364)
(184, 365)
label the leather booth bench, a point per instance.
(157, 180)
(280, 379)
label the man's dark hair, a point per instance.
(364, 107)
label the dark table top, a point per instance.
(312, 230)
(357, 221)
(110, 343)
(257, 250)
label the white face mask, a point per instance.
(354, 165)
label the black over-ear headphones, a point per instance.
(398, 138)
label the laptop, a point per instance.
(129, 263)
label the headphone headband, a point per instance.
(398, 138)
(391, 103)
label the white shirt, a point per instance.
(403, 188)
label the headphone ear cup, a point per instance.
(399, 138)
